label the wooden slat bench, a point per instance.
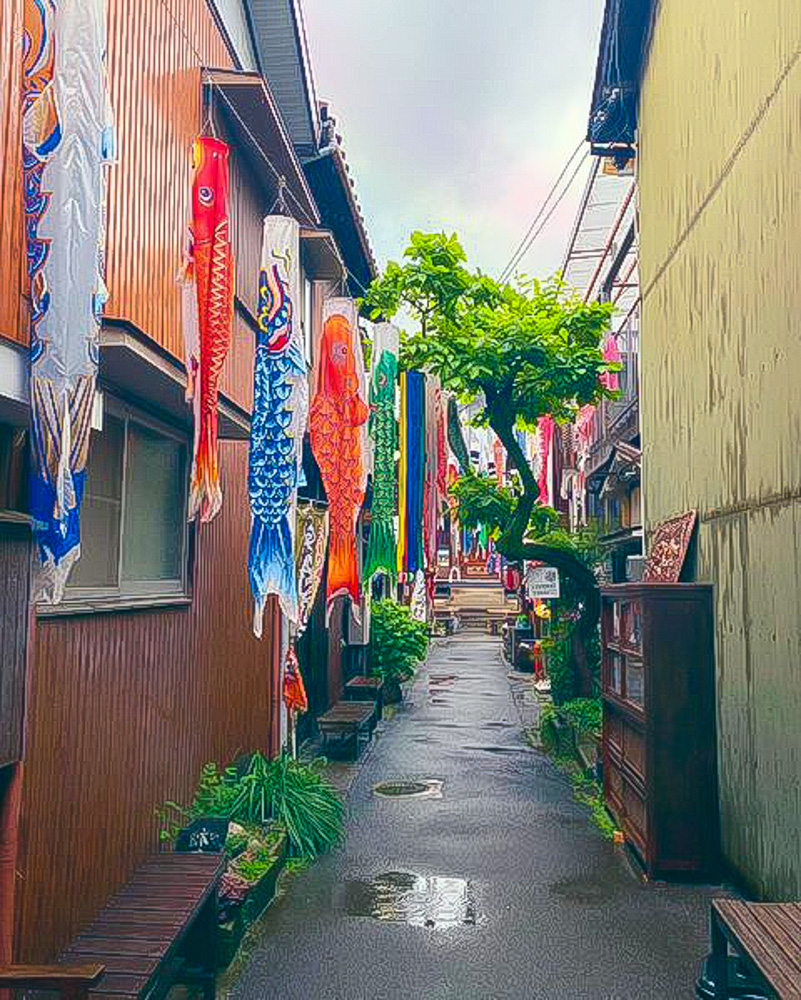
(768, 934)
(349, 720)
(367, 689)
(161, 926)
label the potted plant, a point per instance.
(398, 643)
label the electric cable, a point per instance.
(532, 233)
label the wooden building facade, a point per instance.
(149, 667)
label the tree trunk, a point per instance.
(512, 544)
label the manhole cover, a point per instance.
(409, 789)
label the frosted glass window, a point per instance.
(133, 521)
(102, 505)
(154, 512)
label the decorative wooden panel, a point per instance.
(124, 710)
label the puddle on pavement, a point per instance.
(418, 900)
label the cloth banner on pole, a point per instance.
(415, 468)
(430, 476)
(402, 466)
(381, 552)
(280, 408)
(66, 144)
(338, 412)
(311, 544)
(208, 315)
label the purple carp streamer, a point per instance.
(66, 143)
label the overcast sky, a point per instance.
(458, 114)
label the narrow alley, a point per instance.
(546, 908)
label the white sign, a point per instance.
(542, 583)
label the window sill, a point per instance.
(110, 605)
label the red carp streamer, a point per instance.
(211, 266)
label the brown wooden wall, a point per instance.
(156, 51)
(124, 709)
(11, 273)
(16, 550)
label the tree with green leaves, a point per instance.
(523, 351)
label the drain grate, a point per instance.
(409, 789)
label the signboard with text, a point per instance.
(542, 583)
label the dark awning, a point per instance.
(253, 116)
(137, 369)
(333, 191)
(621, 60)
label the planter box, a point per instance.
(259, 897)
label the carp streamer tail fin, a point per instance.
(271, 565)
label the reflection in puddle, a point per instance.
(418, 900)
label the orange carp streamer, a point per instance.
(337, 414)
(211, 266)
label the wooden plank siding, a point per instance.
(16, 552)
(124, 709)
(12, 315)
(156, 51)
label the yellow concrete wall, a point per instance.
(720, 212)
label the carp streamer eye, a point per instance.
(206, 195)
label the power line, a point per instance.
(531, 234)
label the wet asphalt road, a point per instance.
(552, 910)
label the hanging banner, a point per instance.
(381, 552)
(311, 544)
(294, 690)
(338, 412)
(430, 475)
(280, 408)
(66, 144)
(402, 467)
(456, 437)
(545, 428)
(208, 320)
(415, 468)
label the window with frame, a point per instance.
(133, 516)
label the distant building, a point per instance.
(600, 453)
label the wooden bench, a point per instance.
(349, 720)
(367, 689)
(767, 934)
(159, 928)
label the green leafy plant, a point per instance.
(590, 793)
(307, 805)
(254, 863)
(585, 714)
(398, 642)
(254, 789)
(216, 792)
(295, 795)
(172, 818)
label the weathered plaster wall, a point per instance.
(720, 202)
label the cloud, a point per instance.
(458, 114)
